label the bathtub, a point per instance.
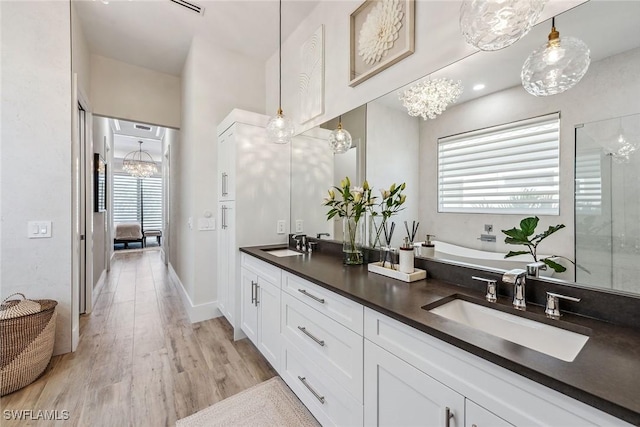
(453, 252)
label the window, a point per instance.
(138, 200)
(512, 169)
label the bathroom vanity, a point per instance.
(362, 349)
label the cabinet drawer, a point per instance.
(483, 382)
(340, 309)
(334, 348)
(263, 269)
(325, 399)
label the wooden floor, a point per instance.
(140, 362)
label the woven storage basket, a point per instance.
(27, 334)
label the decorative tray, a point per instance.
(376, 267)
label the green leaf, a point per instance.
(528, 225)
(548, 232)
(516, 237)
(515, 253)
(558, 268)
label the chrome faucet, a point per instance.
(533, 269)
(517, 278)
(319, 235)
(552, 310)
(492, 293)
(301, 242)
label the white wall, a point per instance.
(35, 171)
(102, 138)
(392, 143)
(80, 54)
(134, 93)
(594, 98)
(437, 44)
(214, 81)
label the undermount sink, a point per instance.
(283, 252)
(553, 341)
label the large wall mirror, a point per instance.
(399, 148)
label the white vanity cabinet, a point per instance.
(322, 351)
(253, 196)
(398, 394)
(260, 283)
(492, 395)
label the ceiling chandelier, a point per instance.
(622, 147)
(556, 66)
(280, 128)
(429, 98)
(340, 139)
(496, 24)
(139, 163)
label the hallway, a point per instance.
(140, 362)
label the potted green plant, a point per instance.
(525, 236)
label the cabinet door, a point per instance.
(249, 322)
(223, 266)
(226, 165)
(397, 394)
(477, 416)
(269, 339)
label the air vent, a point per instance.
(142, 127)
(190, 6)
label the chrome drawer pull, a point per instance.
(315, 393)
(304, 292)
(447, 416)
(307, 333)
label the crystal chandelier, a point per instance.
(496, 24)
(622, 148)
(139, 163)
(429, 98)
(280, 128)
(556, 66)
(340, 139)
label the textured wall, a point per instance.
(35, 170)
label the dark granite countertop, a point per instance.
(605, 374)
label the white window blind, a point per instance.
(589, 182)
(138, 200)
(512, 169)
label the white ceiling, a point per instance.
(607, 27)
(126, 139)
(156, 34)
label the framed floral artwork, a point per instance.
(382, 33)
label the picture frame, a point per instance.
(373, 61)
(99, 183)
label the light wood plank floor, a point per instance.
(140, 362)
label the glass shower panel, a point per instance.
(607, 203)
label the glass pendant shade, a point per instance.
(496, 24)
(555, 67)
(280, 129)
(429, 98)
(139, 163)
(340, 140)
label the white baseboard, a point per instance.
(196, 312)
(98, 288)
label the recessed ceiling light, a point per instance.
(479, 86)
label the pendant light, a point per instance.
(495, 24)
(556, 66)
(280, 128)
(340, 139)
(139, 163)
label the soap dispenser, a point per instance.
(406, 257)
(428, 249)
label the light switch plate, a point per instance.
(280, 227)
(38, 229)
(299, 226)
(206, 224)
